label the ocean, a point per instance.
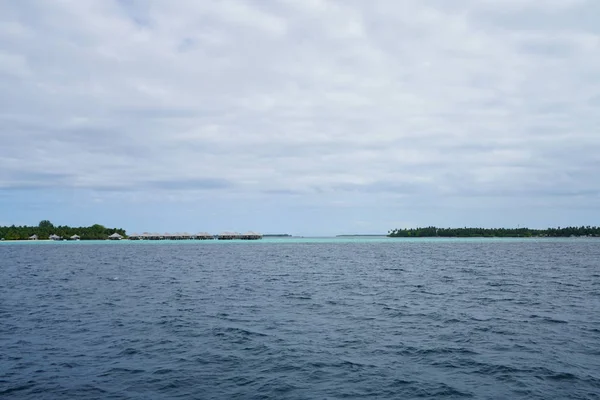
(301, 319)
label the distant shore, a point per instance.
(432, 231)
(27, 240)
(46, 230)
(363, 235)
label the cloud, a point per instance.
(191, 184)
(313, 98)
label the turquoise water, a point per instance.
(292, 240)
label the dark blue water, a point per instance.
(386, 319)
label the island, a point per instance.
(277, 235)
(432, 231)
(46, 230)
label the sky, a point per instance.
(308, 117)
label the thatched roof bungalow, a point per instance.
(115, 236)
(54, 237)
(251, 236)
(151, 236)
(204, 236)
(75, 237)
(33, 237)
(228, 236)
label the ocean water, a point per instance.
(301, 319)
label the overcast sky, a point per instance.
(305, 117)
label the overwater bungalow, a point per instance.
(33, 237)
(115, 236)
(251, 236)
(228, 236)
(75, 237)
(151, 236)
(54, 237)
(198, 236)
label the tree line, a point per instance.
(45, 228)
(432, 231)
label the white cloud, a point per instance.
(394, 98)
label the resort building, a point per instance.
(33, 237)
(54, 237)
(198, 236)
(115, 236)
(251, 236)
(228, 236)
(75, 237)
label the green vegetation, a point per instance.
(275, 235)
(46, 228)
(432, 231)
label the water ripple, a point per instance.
(395, 319)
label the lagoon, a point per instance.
(291, 318)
